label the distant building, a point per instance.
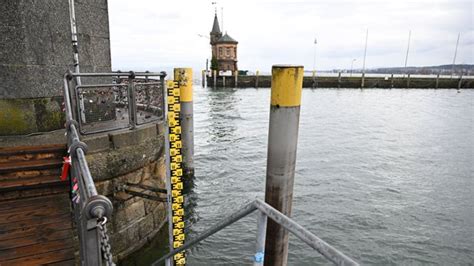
(224, 49)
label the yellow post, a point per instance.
(287, 84)
(184, 77)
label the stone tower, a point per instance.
(36, 51)
(224, 48)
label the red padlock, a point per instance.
(66, 167)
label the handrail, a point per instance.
(91, 209)
(325, 249)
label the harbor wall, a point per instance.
(264, 81)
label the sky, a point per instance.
(160, 35)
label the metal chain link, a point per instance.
(104, 242)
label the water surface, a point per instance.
(386, 176)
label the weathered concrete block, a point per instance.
(127, 138)
(97, 143)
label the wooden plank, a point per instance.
(33, 149)
(30, 173)
(40, 236)
(65, 256)
(20, 203)
(27, 223)
(30, 165)
(31, 250)
(33, 215)
(52, 224)
(32, 182)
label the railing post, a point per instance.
(261, 232)
(132, 110)
(287, 82)
(184, 77)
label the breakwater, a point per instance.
(389, 81)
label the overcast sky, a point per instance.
(159, 35)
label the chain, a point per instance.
(104, 241)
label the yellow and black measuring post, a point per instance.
(175, 171)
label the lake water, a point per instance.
(386, 176)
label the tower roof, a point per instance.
(226, 38)
(215, 26)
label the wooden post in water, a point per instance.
(408, 81)
(223, 81)
(236, 78)
(437, 81)
(391, 81)
(339, 80)
(362, 82)
(256, 78)
(460, 82)
(214, 75)
(184, 77)
(287, 83)
(314, 78)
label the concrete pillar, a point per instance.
(287, 83)
(184, 77)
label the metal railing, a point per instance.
(267, 211)
(126, 102)
(91, 210)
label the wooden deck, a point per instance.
(35, 213)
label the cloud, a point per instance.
(156, 35)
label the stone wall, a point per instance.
(130, 156)
(36, 51)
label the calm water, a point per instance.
(386, 176)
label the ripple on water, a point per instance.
(384, 175)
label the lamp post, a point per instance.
(455, 53)
(408, 49)
(207, 60)
(352, 64)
